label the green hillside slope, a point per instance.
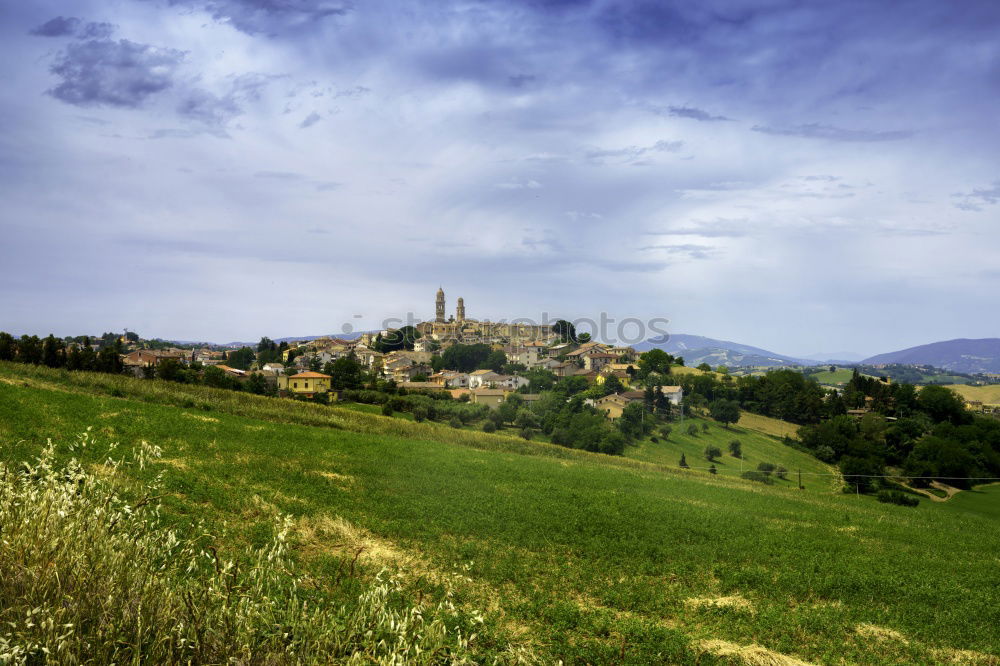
(571, 556)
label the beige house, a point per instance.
(306, 384)
(492, 398)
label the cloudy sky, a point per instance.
(802, 176)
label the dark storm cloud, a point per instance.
(692, 113)
(692, 250)
(978, 197)
(310, 120)
(831, 133)
(113, 73)
(70, 26)
(719, 228)
(270, 16)
(635, 152)
(213, 111)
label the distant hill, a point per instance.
(961, 355)
(697, 349)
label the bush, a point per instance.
(489, 426)
(665, 431)
(654, 439)
(420, 414)
(766, 468)
(387, 409)
(896, 497)
(455, 422)
(762, 477)
(692, 430)
(736, 448)
(712, 470)
(712, 452)
(525, 433)
(781, 472)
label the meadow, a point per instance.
(567, 555)
(988, 395)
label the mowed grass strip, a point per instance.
(584, 561)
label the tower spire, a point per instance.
(439, 306)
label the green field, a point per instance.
(988, 395)
(756, 448)
(570, 556)
(838, 377)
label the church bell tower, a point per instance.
(439, 307)
(460, 310)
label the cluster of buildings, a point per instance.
(525, 345)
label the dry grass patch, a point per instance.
(880, 633)
(199, 417)
(342, 480)
(735, 602)
(749, 655)
(965, 657)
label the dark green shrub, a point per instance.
(896, 497)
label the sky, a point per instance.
(800, 176)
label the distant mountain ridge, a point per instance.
(959, 355)
(697, 349)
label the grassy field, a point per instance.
(756, 447)
(838, 377)
(988, 395)
(767, 425)
(571, 556)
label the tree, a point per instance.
(684, 463)
(465, 358)
(712, 470)
(241, 358)
(704, 426)
(397, 339)
(665, 431)
(583, 337)
(419, 413)
(256, 384)
(781, 472)
(705, 367)
(736, 448)
(525, 419)
(168, 369)
(53, 352)
(565, 330)
(766, 467)
(725, 411)
(7, 349)
(29, 350)
(632, 422)
(612, 385)
(942, 404)
(712, 452)
(692, 430)
(495, 360)
(345, 373)
(654, 361)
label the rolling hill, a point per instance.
(960, 355)
(697, 349)
(540, 553)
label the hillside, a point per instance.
(566, 555)
(960, 355)
(988, 395)
(697, 349)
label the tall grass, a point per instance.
(87, 577)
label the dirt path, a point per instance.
(948, 490)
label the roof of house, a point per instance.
(489, 392)
(310, 375)
(478, 373)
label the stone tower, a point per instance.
(439, 307)
(460, 310)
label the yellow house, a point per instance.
(305, 384)
(492, 398)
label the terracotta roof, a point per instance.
(310, 375)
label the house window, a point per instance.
(295, 385)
